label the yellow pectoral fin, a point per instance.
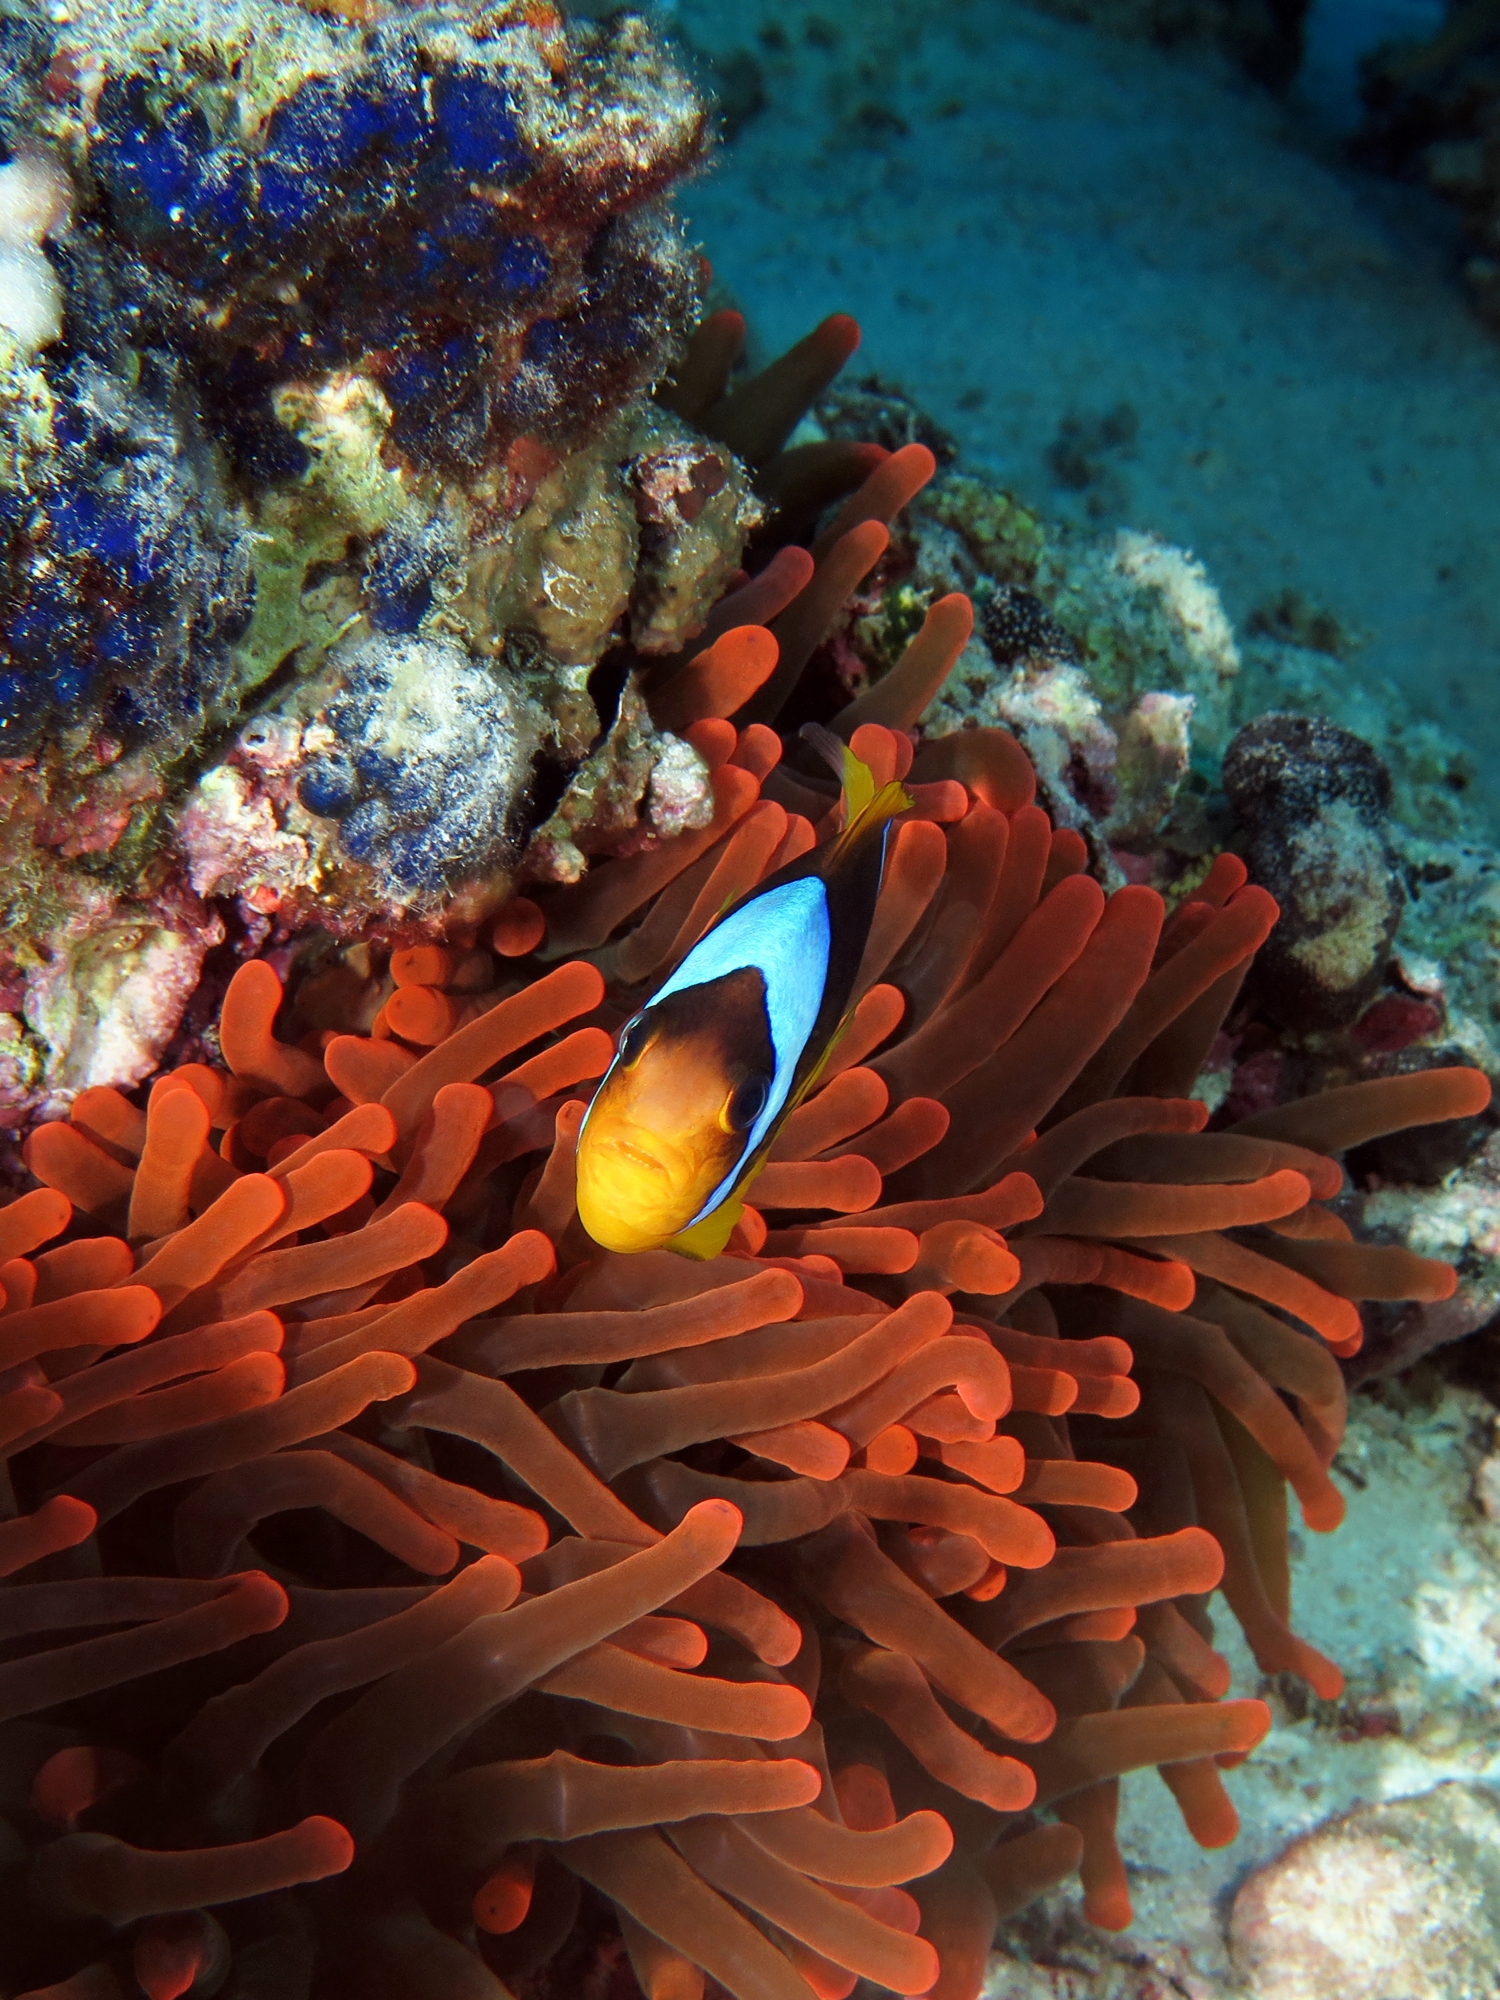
(707, 1237)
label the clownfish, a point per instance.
(706, 1074)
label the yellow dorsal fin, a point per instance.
(859, 787)
(865, 808)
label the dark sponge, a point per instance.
(1310, 803)
(1017, 626)
(1290, 767)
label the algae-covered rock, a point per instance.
(1311, 803)
(329, 473)
(1113, 661)
(1399, 1898)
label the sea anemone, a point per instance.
(454, 1609)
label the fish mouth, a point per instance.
(633, 1191)
(643, 1151)
(637, 1156)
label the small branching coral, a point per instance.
(435, 1598)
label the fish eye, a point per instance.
(748, 1101)
(633, 1038)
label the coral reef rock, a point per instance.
(1402, 1897)
(1311, 802)
(328, 476)
(1102, 659)
(1104, 656)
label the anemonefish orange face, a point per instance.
(669, 1123)
(704, 1073)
